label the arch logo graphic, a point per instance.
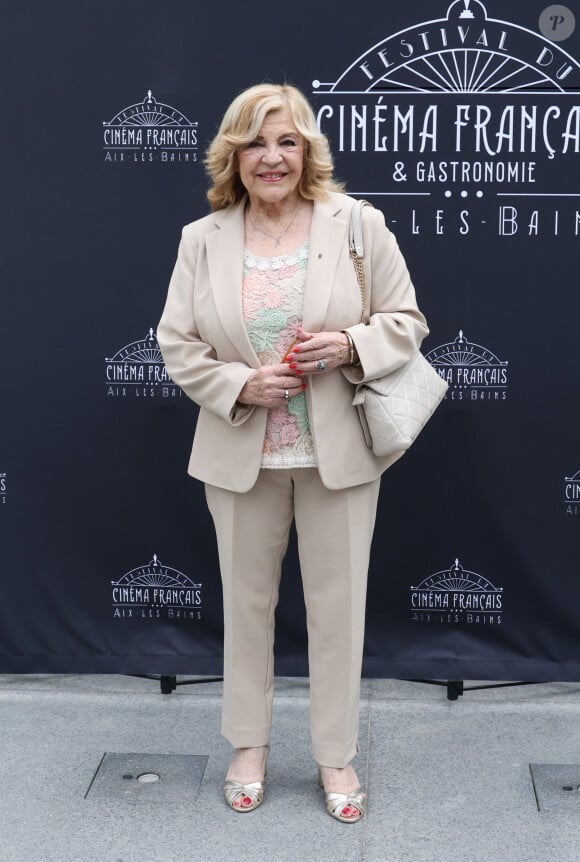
(156, 592)
(137, 370)
(469, 111)
(456, 596)
(472, 372)
(465, 51)
(572, 494)
(150, 131)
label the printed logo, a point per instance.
(150, 131)
(456, 596)
(138, 371)
(156, 592)
(473, 372)
(572, 494)
(2, 488)
(557, 23)
(474, 114)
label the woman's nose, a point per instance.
(271, 153)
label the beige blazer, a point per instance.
(207, 351)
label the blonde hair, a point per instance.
(242, 123)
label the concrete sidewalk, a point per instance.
(446, 780)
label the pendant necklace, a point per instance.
(276, 237)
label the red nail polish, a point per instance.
(304, 385)
(296, 350)
(293, 365)
(298, 372)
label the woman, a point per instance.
(261, 329)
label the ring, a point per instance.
(321, 365)
(286, 394)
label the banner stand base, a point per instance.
(169, 683)
(456, 688)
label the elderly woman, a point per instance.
(261, 329)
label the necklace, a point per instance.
(276, 237)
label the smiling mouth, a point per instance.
(272, 176)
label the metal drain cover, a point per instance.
(151, 777)
(557, 786)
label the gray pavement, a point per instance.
(446, 780)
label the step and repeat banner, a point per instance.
(461, 121)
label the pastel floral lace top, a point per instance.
(272, 300)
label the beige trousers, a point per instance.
(334, 530)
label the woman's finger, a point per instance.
(302, 335)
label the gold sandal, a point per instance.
(236, 792)
(336, 803)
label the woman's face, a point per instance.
(271, 165)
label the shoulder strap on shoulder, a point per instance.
(356, 242)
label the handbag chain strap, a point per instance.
(360, 277)
(357, 251)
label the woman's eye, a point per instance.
(290, 142)
(253, 145)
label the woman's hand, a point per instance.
(333, 348)
(268, 386)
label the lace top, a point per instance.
(272, 299)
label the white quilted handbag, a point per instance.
(395, 408)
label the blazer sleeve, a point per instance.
(191, 362)
(396, 327)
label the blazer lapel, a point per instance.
(328, 234)
(225, 254)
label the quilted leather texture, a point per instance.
(394, 409)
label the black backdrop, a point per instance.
(461, 121)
